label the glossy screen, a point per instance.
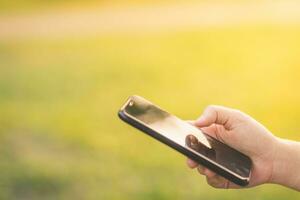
(187, 135)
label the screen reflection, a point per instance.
(164, 123)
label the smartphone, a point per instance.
(187, 139)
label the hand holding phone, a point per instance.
(244, 134)
(203, 148)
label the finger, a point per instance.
(221, 182)
(201, 169)
(218, 182)
(209, 174)
(204, 171)
(215, 115)
(210, 130)
(234, 186)
(192, 164)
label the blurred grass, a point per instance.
(60, 135)
(42, 5)
(25, 6)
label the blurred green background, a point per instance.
(60, 137)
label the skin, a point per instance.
(275, 160)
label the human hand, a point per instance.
(244, 134)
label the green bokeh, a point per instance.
(60, 135)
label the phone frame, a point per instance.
(215, 167)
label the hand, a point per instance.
(244, 134)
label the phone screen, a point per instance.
(187, 136)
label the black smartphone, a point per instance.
(187, 139)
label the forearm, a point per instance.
(286, 166)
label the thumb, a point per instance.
(216, 115)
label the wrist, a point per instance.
(285, 170)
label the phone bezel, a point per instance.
(201, 159)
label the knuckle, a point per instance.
(211, 108)
(239, 115)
